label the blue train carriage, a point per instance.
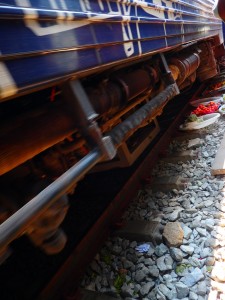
(46, 42)
(78, 80)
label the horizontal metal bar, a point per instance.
(34, 13)
(13, 56)
(120, 132)
(26, 215)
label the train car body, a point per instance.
(49, 41)
(77, 80)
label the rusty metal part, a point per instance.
(208, 65)
(186, 64)
(147, 112)
(131, 149)
(175, 71)
(32, 135)
(113, 94)
(107, 97)
(134, 83)
(153, 73)
(219, 51)
(188, 81)
(116, 119)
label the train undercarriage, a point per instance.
(51, 138)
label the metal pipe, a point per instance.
(110, 96)
(26, 215)
(187, 64)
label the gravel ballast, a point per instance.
(190, 263)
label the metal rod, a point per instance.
(80, 100)
(26, 215)
(132, 123)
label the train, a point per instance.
(81, 86)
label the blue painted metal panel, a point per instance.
(45, 40)
(44, 67)
(24, 40)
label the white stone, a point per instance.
(161, 249)
(194, 143)
(202, 231)
(205, 154)
(174, 215)
(187, 232)
(195, 233)
(176, 254)
(193, 277)
(202, 289)
(166, 292)
(153, 271)
(206, 252)
(219, 286)
(220, 230)
(187, 249)
(208, 203)
(210, 261)
(222, 223)
(212, 295)
(182, 290)
(193, 296)
(164, 263)
(218, 271)
(209, 224)
(194, 261)
(220, 207)
(146, 288)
